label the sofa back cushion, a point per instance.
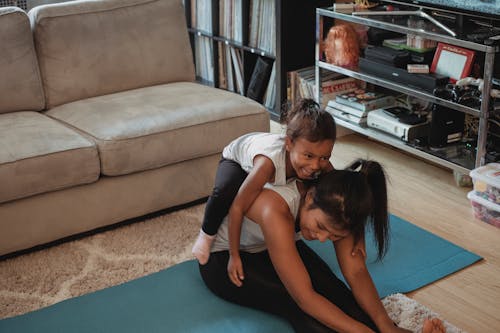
(91, 48)
(20, 85)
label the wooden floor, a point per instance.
(427, 195)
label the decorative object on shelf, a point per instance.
(342, 46)
(479, 83)
(452, 61)
(417, 68)
(346, 8)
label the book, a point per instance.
(332, 104)
(229, 69)
(365, 100)
(303, 85)
(222, 66)
(337, 85)
(270, 94)
(238, 69)
(259, 79)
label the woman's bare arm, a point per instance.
(357, 276)
(272, 213)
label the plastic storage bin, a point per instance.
(486, 180)
(484, 210)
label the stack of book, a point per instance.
(303, 85)
(354, 106)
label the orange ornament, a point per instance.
(342, 46)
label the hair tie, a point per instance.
(356, 164)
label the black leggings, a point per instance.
(263, 290)
(228, 180)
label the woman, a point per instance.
(285, 277)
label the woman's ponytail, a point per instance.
(376, 179)
(354, 197)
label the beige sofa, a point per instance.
(101, 119)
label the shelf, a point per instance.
(398, 87)
(461, 164)
(377, 22)
(232, 43)
(459, 157)
(240, 45)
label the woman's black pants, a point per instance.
(263, 290)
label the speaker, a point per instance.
(447, 126)
(427, 82)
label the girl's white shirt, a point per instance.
(244, 149)
(252, 240)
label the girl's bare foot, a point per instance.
(433, 325)
(202, 246)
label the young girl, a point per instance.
(287, 278)
(255, 159)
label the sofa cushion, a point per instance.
(20, 84)
(38, 154)
(92, 48)
(151, 127)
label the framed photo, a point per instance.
(452, 61)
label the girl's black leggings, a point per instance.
(228, 180)
(263, 290)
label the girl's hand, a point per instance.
(235, 270)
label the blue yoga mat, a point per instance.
(176, 300)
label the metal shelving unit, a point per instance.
(388, 23)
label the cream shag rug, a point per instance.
(45, 277)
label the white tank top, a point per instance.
(252, 239)
(244, 149)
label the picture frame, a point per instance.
(452, 61)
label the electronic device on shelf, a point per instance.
(388, 121)
(405, 115)
(447, 126)
(426, 82)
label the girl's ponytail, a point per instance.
(306, 119)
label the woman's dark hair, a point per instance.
(354, 198)
(307, 120)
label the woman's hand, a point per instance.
(235, 270)
(396, 329)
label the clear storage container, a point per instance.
(484, 210)
(486, 180)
